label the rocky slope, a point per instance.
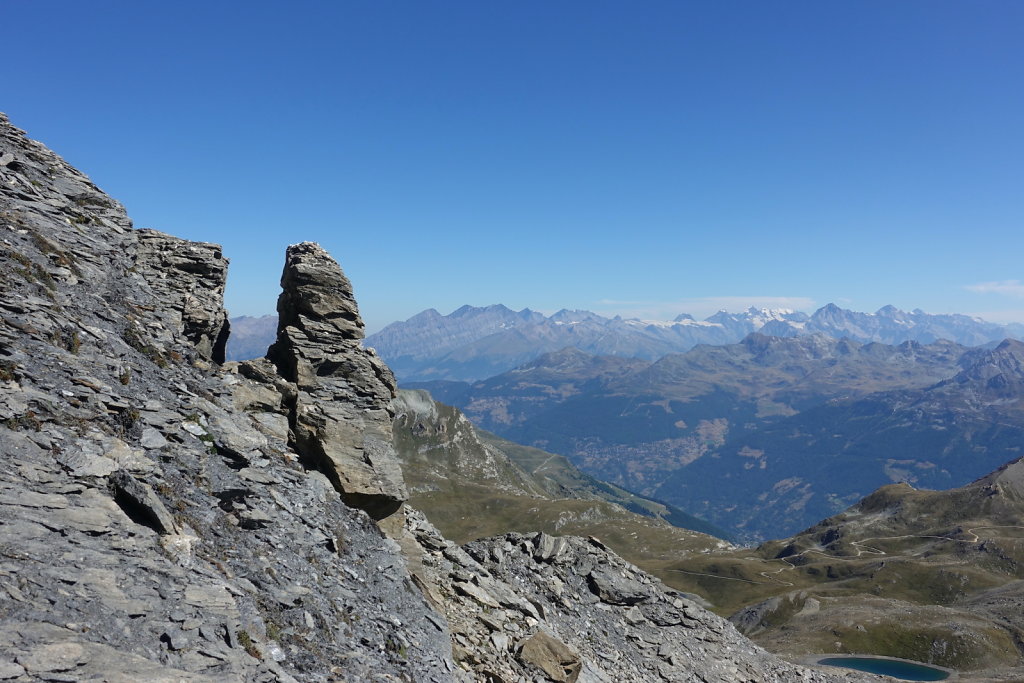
(166, 518)
(156, 522)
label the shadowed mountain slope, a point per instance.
(765, 436)
(787, 473)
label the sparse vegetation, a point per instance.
(18, 257)
(27, 421)
(67, 338)
(7, 369)
(126, 419)
(56, 254)
(392, 644)
(132, 337)
(86, 200)
(246, 641)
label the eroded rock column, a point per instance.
(342, 416)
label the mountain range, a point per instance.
(474, 343)
(825, 457)
(791, 426)
(251, 336)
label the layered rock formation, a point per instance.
(150, 529)
(164, 518)
(341, 412)
(188, 278)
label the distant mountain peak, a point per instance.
(830, 309)
(426, 315)
(997, 373)
(573, 316)
(466, 309)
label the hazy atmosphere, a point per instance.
(643, 160)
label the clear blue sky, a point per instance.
(638, 158)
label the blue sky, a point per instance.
(637, 158)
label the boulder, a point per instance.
(552, 656)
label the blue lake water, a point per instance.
(905, 671)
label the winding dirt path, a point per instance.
(544, 464)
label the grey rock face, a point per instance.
(551, 656)
(342, 412)
(189, 278)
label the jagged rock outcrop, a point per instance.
(189, 279)
(163, 518)
(996, 375)
(151, 529)
(341, 417)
